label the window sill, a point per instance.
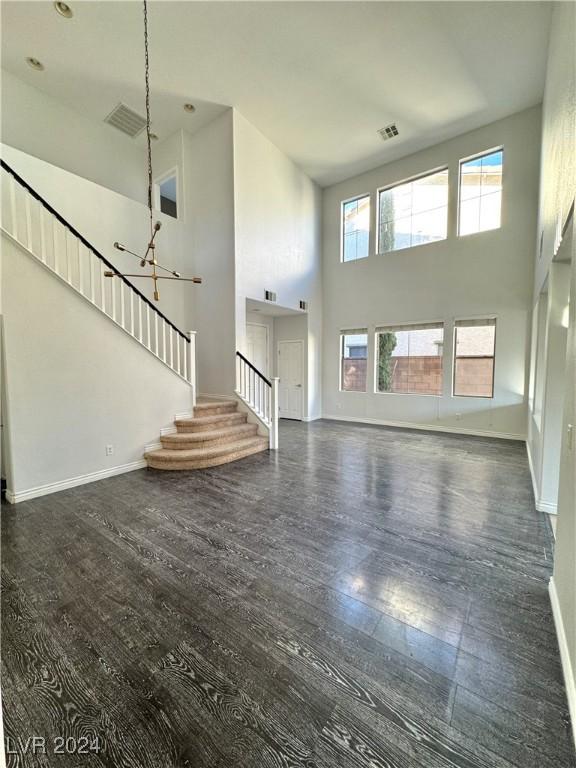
(408, 394)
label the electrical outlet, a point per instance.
(109, 450)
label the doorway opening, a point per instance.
(276, 343)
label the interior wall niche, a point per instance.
(166, 193)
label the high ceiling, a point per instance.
(317, 78)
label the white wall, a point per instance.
(75, 382)
(102, 217)
(558, 159)
(479, 275)
(41, 126)
(554, 374)
(277, 238)
(209, 220)
(557, 190)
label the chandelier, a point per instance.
(149, 257)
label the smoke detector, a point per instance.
(388, 132)
(126, 120)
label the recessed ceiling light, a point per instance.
(34, 63)
(64, 10)
(189, 108)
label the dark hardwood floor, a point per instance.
(367, 598)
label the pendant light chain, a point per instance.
(148, 139)
(149, 256)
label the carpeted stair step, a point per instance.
(199, 458)
(205, 423)
(183, 440)
(214, 407)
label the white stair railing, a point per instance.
(259, 394)
(32, 223)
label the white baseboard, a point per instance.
(43, 490)
(548, 507)
(568, 672)
(426, 427)
(152, 447)
(181, 415)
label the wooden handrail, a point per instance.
(253, 367)
(88, 245)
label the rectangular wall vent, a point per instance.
(388, 132)
(126, 120)
(269, 295)
(303, 304)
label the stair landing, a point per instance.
(217, 434)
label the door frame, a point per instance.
(262, 325)
(302, 368)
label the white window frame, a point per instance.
(410, 180)
(342, 204)
(351, 332)
(463, 160)
(487, 316)
(417, 326)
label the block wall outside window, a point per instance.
(409, 359)
(353, 360)
(355, 228)
(474, 348)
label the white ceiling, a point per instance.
(318, 78)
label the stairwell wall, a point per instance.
(208, 189)
(74, 384)
(277, 240)
(103, 216)
(39, 125)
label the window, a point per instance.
(166, 194)
(354, 360)
(409, 359)
(413, 213)
(474, 342)
(480, 193)
(355, 228)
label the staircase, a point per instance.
(217, 434)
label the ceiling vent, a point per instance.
(389, 132)
(303, 304)
(126, 120)
(269, 295)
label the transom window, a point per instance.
(480, 193)
(409, 359)
(474, 346)
(355, 228)
(353, 360)
(413, 213)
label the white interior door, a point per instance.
(257, 346)
(291, 375)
